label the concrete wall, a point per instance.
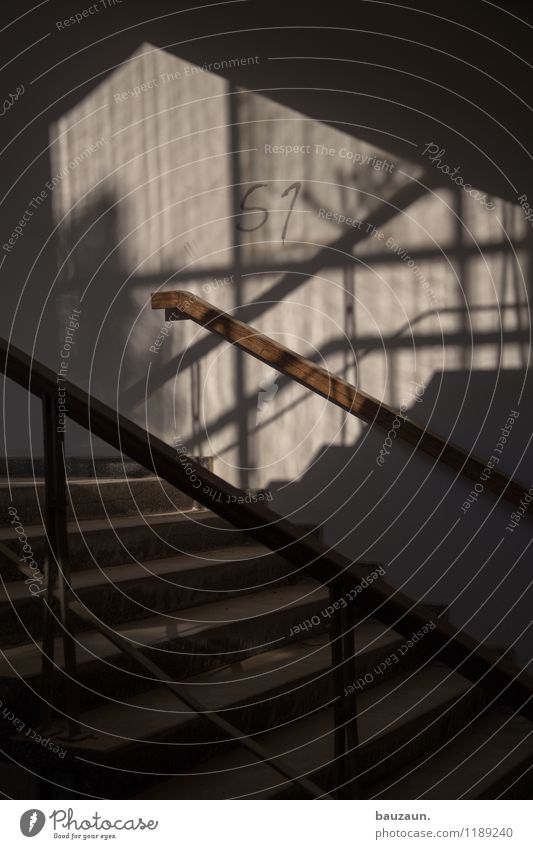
(155, 204)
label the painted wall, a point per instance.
(151, 172)
(143, 181)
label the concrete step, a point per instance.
(96, 543)
(117, 466)
(398, 720)
(182, 642)
(131, 590)
(490, 758)
(91, 498)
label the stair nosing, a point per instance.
(112, 522)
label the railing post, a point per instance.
(353, 789)
(346, 737)
(57, 570)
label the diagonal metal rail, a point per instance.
(231, 731)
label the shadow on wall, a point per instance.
(164, 173)
(442, 539)
(73, 303)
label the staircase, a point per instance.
(245, 633)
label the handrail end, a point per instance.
(172, 300)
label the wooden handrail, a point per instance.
(501, 678)
(182, 304)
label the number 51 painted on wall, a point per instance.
(247, 209)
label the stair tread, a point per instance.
(158, 710)
(186, 623)
(307, 744)
(15, 483)
(17, 591)
(469, 764)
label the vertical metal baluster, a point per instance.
(50, 601)
(352, 790)
(346, 735)
(339, 710)
(58, 564)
